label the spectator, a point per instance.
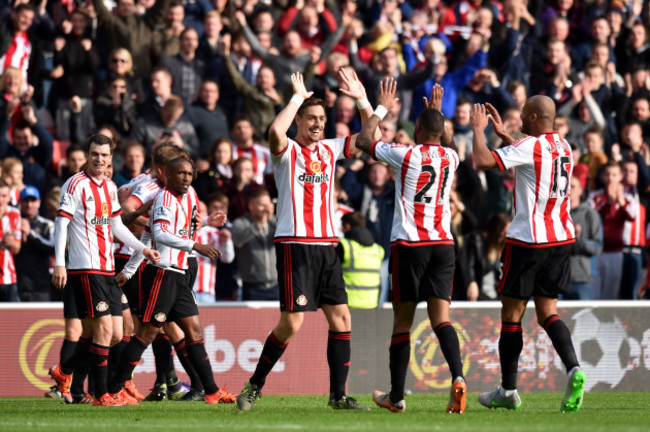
(208, 118)
(594, 157)
(361, 260)
(217, 170)
(582, 110)
(615, 206)
(186, 68)
(634, 236)
(116, 107)
(120, 64)
(75, 159)
(240, 187)
(160, 92)
(14, 94)
(170, 34)
(134, 158)
(227, 285)
(589, 243)
(128, 29)
(10, 241)
(209, 40)
(36, 251)
(35, 158)
(12, 174)
(244, 145)
(206, 277)
(253, 235)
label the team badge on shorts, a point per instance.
(301, 301)
(102, 306)
(124, 299)
(160, 317)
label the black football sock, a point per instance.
(130, 359)
(399, 354)
(162, 352)
(450, 348)
(560, 335)
(99, 368)
(338, 359)
(115, 355)
(201, 362)
(511, 343)
(81, 371)
(181, 353)
(271, 353)
(80, 355)
(67, 350)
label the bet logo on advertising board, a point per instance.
(39, 348)
(427, 363)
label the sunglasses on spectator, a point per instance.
(116, 60)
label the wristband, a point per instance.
(297, 99)
(363, 103)
(380, 112)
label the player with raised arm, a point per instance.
(88, 217)
(167, 294)
(309, 272)
(422, 257)
(536, 256)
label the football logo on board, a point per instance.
(102, 306)
(302, 300)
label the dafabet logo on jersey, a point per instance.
(39, 341)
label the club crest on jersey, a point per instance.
(65, 200)
(160, 317)
(102, 306)
(324, 154)
(124, 299)
(302, 300)
(316, 166)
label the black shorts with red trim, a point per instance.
(165, 296)
(131, 288)
(418, 273)
(309, 276)
(192, 269)
(529, 271)
(94, 295)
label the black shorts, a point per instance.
(421, 272)
(93, 295)
(132, 287)
(530, 272)
(69, 303)
(192, 270)
(309, 276)
(165, 296)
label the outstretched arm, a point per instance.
(354, 88)
(365, 138)
(482, 155)
(497, 124)
(280, 126)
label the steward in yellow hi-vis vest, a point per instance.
(361, 261)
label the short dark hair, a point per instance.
(594, 130)
(24, 6)
(99, 140)
(239, 118)
(73, 148)
(258, 192)
(163, 154)
(354, 219)
(310, 102)
(218, 196)
(21, 125)
(3, 183)
(431, 121)
(177, 161)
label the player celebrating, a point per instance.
(167, 294)
(309, 272)
(88, 216)
(422, 256)
(536, 257)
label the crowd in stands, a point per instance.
(210, 75)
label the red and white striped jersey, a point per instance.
(341, 211)
(633, 232)
(9, 225)
(143, 192)
(17, 55)
(424, 175)
(206, 278)
(543, 167)
(89, 206)
(140, 178)
(305, 180)
(172, 218)
(261, 157)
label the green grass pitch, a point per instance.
(611, 412)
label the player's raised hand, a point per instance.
(495, 118)
(208, 251)
(387, 91)
(217, 219)
(121, 279)
(352, 85)
(436, 98)
(152, 255)
(298, 83)
(59, 277)
(478, 119)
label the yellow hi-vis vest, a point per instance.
(361, 266)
